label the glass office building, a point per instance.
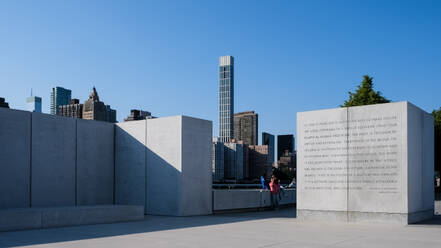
(34, 104)
(226, 98)
(59, 96)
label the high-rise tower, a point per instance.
(59, 96)
(34, 104)
(226, 98)
(245, 127)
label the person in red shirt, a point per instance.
(275, 189)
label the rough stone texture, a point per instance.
(53, 160)
(130, 160)
(385, 172)
(32, 218)
(95, 162)
(15, 138)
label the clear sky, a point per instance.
(162, 56)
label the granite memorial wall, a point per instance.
(50, 161)
(367, 163)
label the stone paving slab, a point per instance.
(253, 229)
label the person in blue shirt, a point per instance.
(262, 180)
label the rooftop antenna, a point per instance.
(31, 91)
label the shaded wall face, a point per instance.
(15, 159)
(54, 161)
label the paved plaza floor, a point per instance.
(251, 229)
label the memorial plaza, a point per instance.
(250, 229)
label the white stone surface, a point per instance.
(15, 143)
(171, 156)
(164, 166)
(196, 181)
(367, 163)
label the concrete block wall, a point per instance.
(15, 149)
(53, 161)
(162, 164)
(171, 156)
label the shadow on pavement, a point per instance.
(149, 224)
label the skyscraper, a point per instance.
(73, 109)
(94, 109)
(246, 127)
(226, 98)
(268, 139)
(59, 96)
(285, 143)
(34, 104)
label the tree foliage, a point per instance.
(437, 124)
(365, 94)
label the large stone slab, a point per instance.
(164, 166)
(15, 154)
(87, 215)
(53, 160)
(95, 162)
(196, 166)
(367, 163)
(35, 218)
(130, 163)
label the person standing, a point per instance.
(275, 188)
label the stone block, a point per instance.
(19, 219)
(15, 155)
(196, 167)
(130, 163)
(164, 167)
(35, 218)
(369, 163)
(87, 215)
(95, 162)
(53, 160)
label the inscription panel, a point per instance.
(377, 158)
(322, 163)
(353, 159)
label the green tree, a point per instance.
(437, 124)
(365, 94)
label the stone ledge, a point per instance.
(35, 218)
(372, 217)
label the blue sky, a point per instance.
(162, 56)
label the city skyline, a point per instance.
(295, 57)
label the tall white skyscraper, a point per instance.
(226, 98)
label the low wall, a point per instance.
(34, 218)
(224, 200)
